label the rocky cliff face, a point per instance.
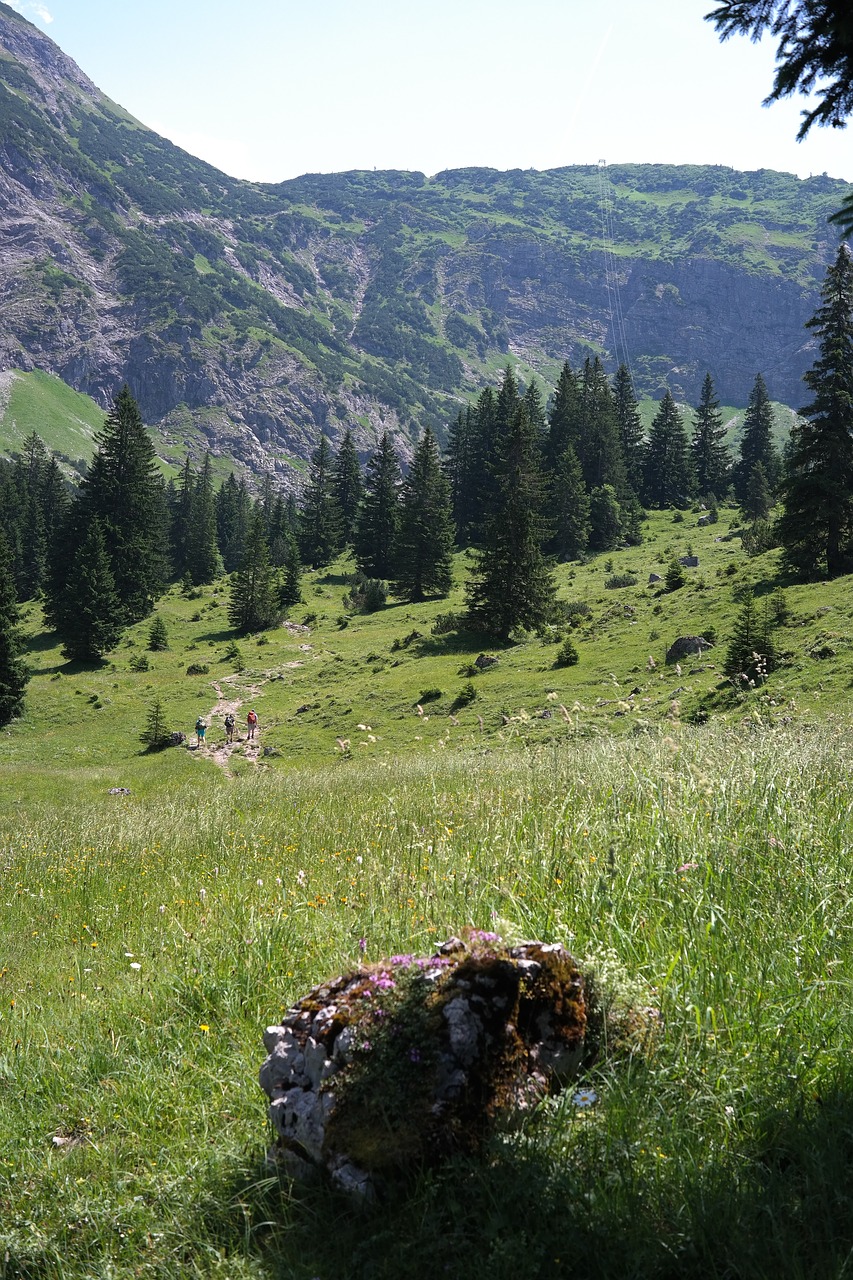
(263, 314)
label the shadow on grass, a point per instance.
(778, 1203)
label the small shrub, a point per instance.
(780, 607)
(430, 695)
(196, 617)
(678, 517)
(139, 662)
(658, 609)
(620, 580)
(567, 654)
(198, 669)
(709, 634)
(367, 595)
(654, 635)
(309, 619)
(760, 537)
(342, 622)
(571, 612)
(466, 695)
(446, 622)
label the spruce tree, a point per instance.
(631, 433)
(599, 448)
(376, 528)
(202, 560)
(347, 489)
(319, 523)
(482, 447)
(563, 419)
(606, 526)
(751, 654)
(758, 501)
(512, 585)
(532, 401)
(180, 519)
(668, 480)
(816, 527)
(569, 508)
(13, 671)
(425, 536)
(459, 469)
(233, 507)
(756, 441)
(290, 590)
(711, 460)
(158, 636)
(124, 492)
(254, 604)
(90, 613)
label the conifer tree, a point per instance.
(751, 654)
(758, 501)
(425, 536)
(232, 520)
(606, 526)
(254, 604)
(202, 560)
(484, 424)
(532, 401)
(569, 508)
(459, 469)
(290, 590)
(376, 529)
(347, 489)
(564, 418)
(89, 614)
(123, 491)
(180, 519)
(816, 527)
(599, 448)
(668, 478)
(158, 636)
(512, 585)
(756, 441)
(711, 460)
(319, 523)
(14, 674)
(631, 434)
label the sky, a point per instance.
(271, 89)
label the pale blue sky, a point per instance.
(269, 89)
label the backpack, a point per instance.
(251, 718)
(229, 722)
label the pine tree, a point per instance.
(668, 479)
(376, 529)
(711, 460)
(253, 603)
(180, 520)
(816, 527)
(14, 674)
(89, 619)
(631, 434)
(156, 734)
(232, 521)
(124, 492)
(532, 401)
(512, 585)
(751, 654)
(347, 489)
(482, 448)
(758, 501)
(606, 526)
(569, 508)
(564, 418)
(459, 469)
(290, 591)
(158, 636)
(320, 526)
(425, 536)
(202, 560)
(756, 441)
(599, 448)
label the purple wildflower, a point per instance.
(362, 945)
(414, 1055)
(407, 960)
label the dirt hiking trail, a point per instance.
(230, 697)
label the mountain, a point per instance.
(249, 316)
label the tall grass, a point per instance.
(146, 942)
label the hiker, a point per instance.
(200, 730)
(252, 723)
(229, 727)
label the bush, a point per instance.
(367, 595)
(198, 669)
(570, 611)
(139, 662)
(430, 695)
(155, 735)
(466, 695)
(446, 622)
(620, 580)
(567, 654)
(759, 537)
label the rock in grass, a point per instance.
(684, 646)
(406, 1061)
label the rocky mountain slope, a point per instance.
(259, 314)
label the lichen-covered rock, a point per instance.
(414, 1058)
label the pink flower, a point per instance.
(688, 866)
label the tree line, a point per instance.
(521, 484)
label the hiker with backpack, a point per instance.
(200, 731)
(229, 727)
(252, 723)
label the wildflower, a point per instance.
(202, 893)
(414, 1055)
(407, 960)
(362, 945)
(134, 964)
(300, 877)
(688, 866)
(203, 1026)
(259, 883)
(585, 1098)
(359, 859)
(128, 955)
(161, 908)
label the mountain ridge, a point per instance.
(265, 313)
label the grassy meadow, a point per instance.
(147, 938)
